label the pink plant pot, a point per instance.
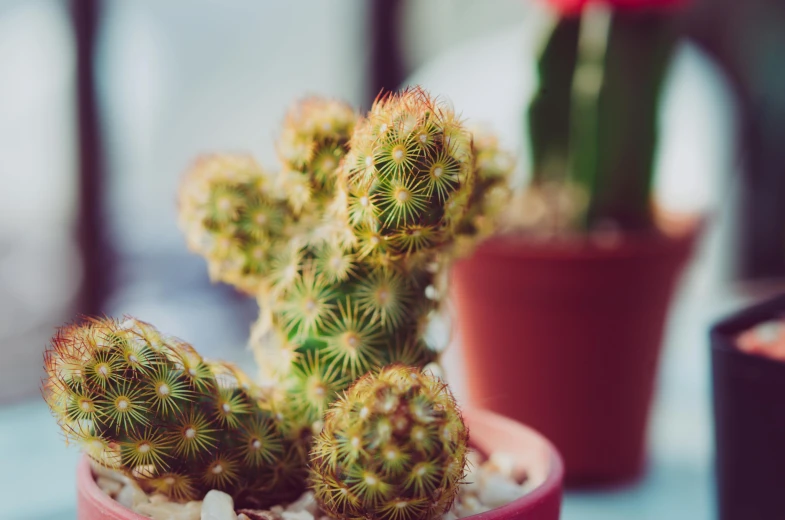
(489, 433)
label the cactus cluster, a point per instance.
(151, 407)
(393, 446)
(345, 249)
(360, 293)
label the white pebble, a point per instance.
(306, 502)
(498, 490)
(165, 510)
(503, 462)
(131, 496)
(110, 486)
(297, 515)
(468, 506)
(217, 505)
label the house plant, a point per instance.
(345, 250)
(748, 379)
(588, 265)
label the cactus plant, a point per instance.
(345, 250)
(593, 121)
(393, 446)
(359, 295)
(356, 257)
(151, 407)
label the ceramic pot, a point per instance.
(489, 433)
(565, 337)
(749, 420)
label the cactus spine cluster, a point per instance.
(232, 214)
(151, 407)
(394, 446)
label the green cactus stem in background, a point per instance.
(149, 406)
(549, 112)
(394, 446)
(620, 60)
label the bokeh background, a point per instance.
(104, 103)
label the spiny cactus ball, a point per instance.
(409, 174)
(151, 407)
(311, 147)
(394, 446)
(232, 215)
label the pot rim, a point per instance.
(553, 481)
(552, 484)
(587, 247)
(723, 333)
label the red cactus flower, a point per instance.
(574, 7)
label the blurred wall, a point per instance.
(39, 265)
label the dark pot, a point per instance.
(749, 417)
(566, 337)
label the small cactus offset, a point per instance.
(394, 446)
(312, 147)
(151, 407)
(232, 215)
(490, 195)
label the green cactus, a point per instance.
(593, 120)
(152, 408)
(360, 296)
(410, 174)
(354, 275)
(394, 446)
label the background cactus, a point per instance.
(151, 407)
(394, 446)
(593, 121)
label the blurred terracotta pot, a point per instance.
(565, 337)
(532, 453)
(749, 420)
